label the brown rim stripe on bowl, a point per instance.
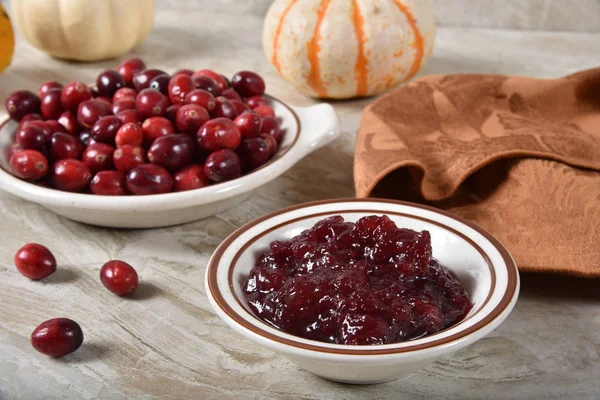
(278, 156)
(512, 278)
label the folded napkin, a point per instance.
(519, 157)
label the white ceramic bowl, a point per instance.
(306, 129)
(481, 263)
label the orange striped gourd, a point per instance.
(348, 48)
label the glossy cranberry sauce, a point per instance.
(361, 283)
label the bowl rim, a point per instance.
(214, 290)
(104, 200)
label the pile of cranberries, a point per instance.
(61, 336)
(361, 283)
(142, 131)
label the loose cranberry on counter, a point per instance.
(109, 183)
(141, 80)
(28, 118)
(31, 137)
(127, 103)
(156, 127)
(190, 118)
(73, 94)
(231, 95)
(190, 177)
(130, 116)
(70, 175)
(129, 133)
(119, 277)
(151, 103)
(217, 134)
(271, 143)
(127, 157)
(108, 82)
(248, 84)
(105, 129)
(171, 112)
(185, 71)
(47, 130)
(206, 83)
(240, 107)
(124, 93)
(35, 261)
(57, 337)
(256, 101)
(98, 157)
(128, 68)
(69, 121)
(270, 126)
(55, 126)
(253, 153)
(30, 165)
(224, 108)
(202, 98)
(21, 103)
(179, 87)
(222, 165)
(149, 179)
(51, 105)
(264, 111)
(47, 86)
(172, 152)
(90, 111)
(249, 124)
(65, 146)
(219, 79)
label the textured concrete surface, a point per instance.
(166, 343)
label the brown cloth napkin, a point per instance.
(519, 157)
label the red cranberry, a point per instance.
(128, 68)
(264, 111)
(171, 112)
(172, 151)
(69, 121)
(179, 87)
(55, 126)
(206, 83)
(28, 118)
(85, 138)
(190, 118)
(249, 124)
(202, 98)
(222, 165)
(119, 277)
(106, 100)
(271, 126)
(109, 183)
(44, 126)
(253, 153)
(65, 146)
(31, 137)
(73, 94)
(51, 105)
(46, 86)
(240, 107)
(156, 127)
(57, 337)
(30, 165)
(271, 143)
(98, 157)
(13, 149)
(128, 103)
(130, 116)
(184, 71)
(219, 79)
(124, 93)
(141, 80)
(231, 95)
(160, 83)
(256, 101)
(190, 177)
(70, 175)
(151, 103)
(108, 82)
(149, 179)
(248, 84)
(128, 157)
(217, 134)
(90, 111)
(35, 261)
(129, 133)
(20, 103)
(105, 129)
(224, 109)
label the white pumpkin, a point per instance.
(84, 30)
(348, 48)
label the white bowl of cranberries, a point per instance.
(187, 145)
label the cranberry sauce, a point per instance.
(361, 283)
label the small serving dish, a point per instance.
(480, 262)
(305, 130)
